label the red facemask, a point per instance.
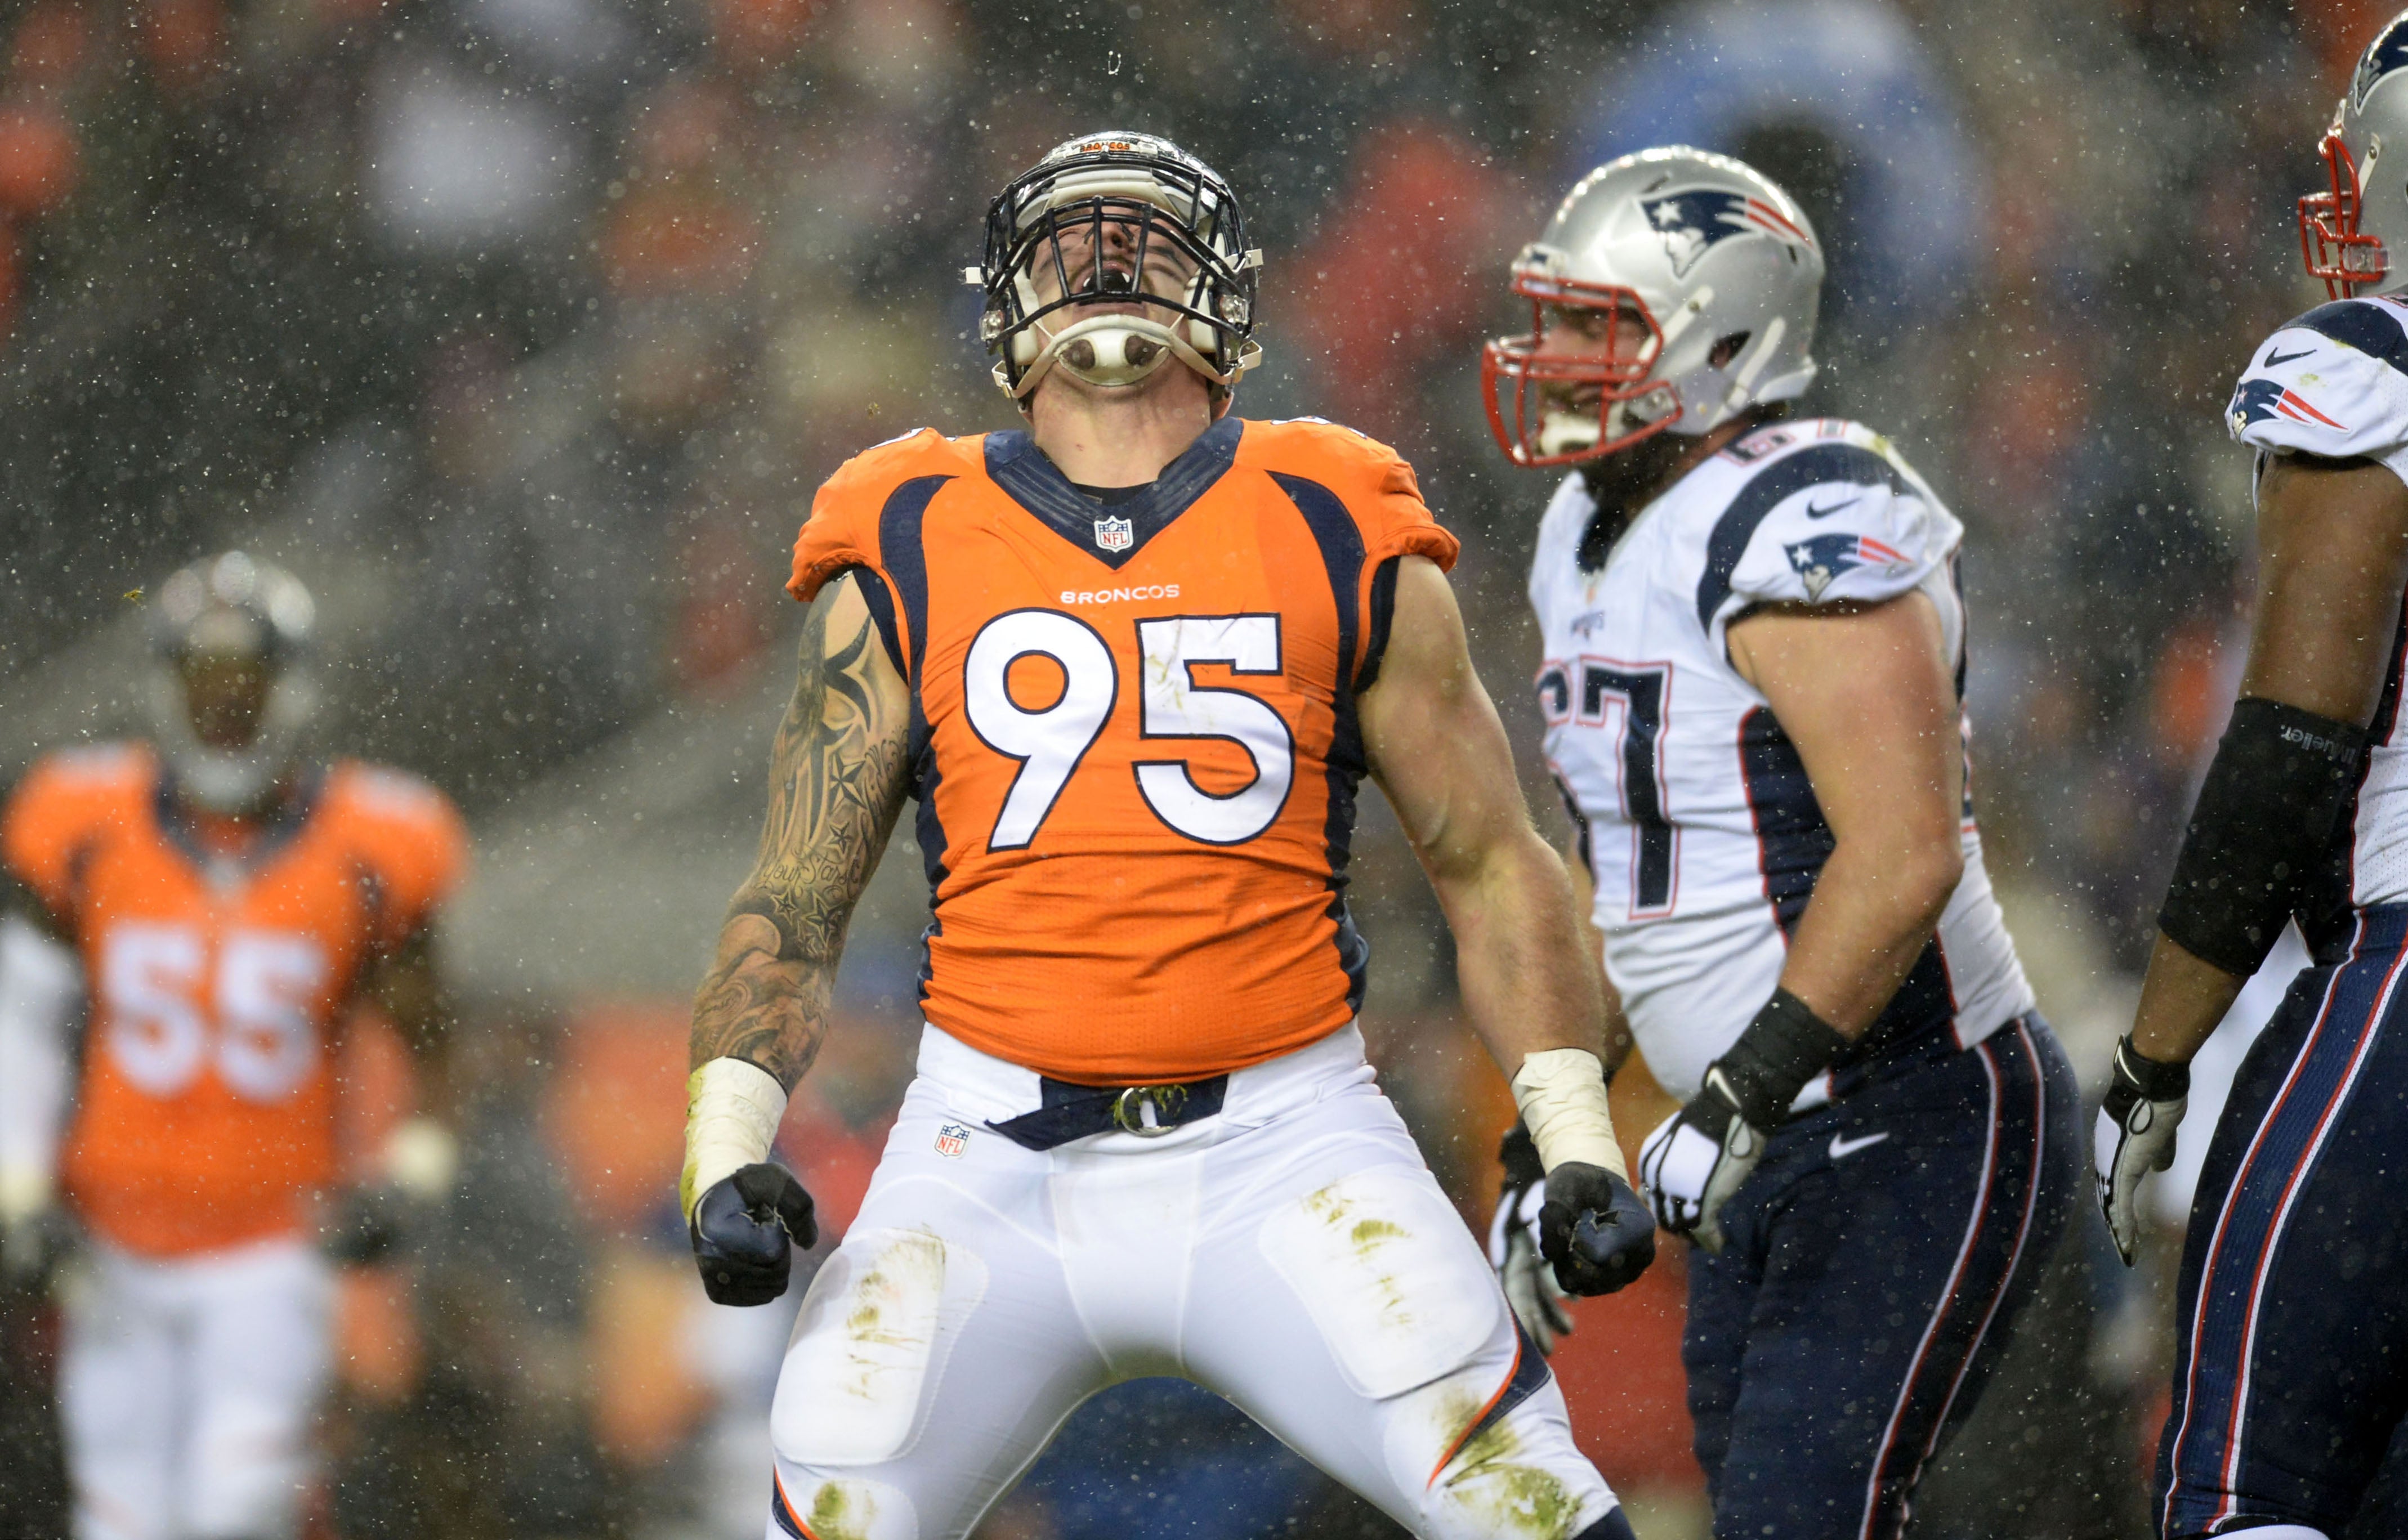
(2337, 251)
(1524, 362)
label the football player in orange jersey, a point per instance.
(223, 901)
(1132, 663)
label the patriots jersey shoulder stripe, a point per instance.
(1835, 466)
(2331, 383)
(1697, 820)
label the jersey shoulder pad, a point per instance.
(843, 529)
(1374, 482)
(65, 800)
(1831, 514)
(2332, 382)
(405, 830)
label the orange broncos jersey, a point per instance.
(1134, 739)
(205, 1110)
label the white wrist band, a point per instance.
(732, 1110)
(422, 1158)
(1561, 1092)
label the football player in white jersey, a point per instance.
(1754, 654)
(2292, 1362)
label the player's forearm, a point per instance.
(2182, 1000)
(1873, 913)
(836, 782)
(1618, 1041)
(1521, 952)
(763, 1001)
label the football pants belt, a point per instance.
(1066, 1112)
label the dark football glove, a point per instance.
(1593, 1228)
(1523, 1270)
(364, 1224)
(745, 1229)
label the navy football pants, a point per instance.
(2293, 1308)
(1876, 1262)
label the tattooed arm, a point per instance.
(837, 781)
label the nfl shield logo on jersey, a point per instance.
(952, 1139)
(1115, 534)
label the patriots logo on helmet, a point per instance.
(1695, 221)
(2387, 52)
(2258, 400)
(1819, 560)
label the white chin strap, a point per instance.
(1115, 351)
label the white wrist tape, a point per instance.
(422, 1158)
(732, 1109)
(1561, 1092)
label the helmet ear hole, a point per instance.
(1726, 348)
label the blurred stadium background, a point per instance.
(522, 330)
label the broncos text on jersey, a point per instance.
(2334, 384)
(1697, 819)
(1134, 739)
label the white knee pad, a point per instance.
(2280, 1532)
(1520, 1475)
(842, 1507)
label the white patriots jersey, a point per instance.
(2331, 383)
(1697, 819)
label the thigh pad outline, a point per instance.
(1390, 1277)
(869, 1345)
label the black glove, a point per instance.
(1523, 1270)
(365, 1224)
(744, 1232)
(1593, 1228)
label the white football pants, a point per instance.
(1292, 1254)
(188, 1387)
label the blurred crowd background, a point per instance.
(523, 329)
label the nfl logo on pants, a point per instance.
(1115, 534)
(952, 1139)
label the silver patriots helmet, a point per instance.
(1721, 272)
(1126, 219)
(236, 610)
(2355, 234)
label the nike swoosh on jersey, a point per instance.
(2273, 358)
(1813, 512)
(1844, 1147)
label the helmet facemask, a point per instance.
(2347, 258)
(1139, 226)
(230, 696)
(1628, 406)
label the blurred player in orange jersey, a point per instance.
(221, 901)
(1133, 663)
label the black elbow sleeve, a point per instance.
(2263, 826)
